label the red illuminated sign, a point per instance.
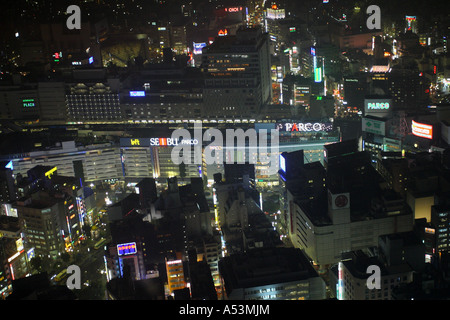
(422, 130)
(233, 9)
(223, 32)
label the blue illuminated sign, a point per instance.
(282, 163)
(126, 248)
(137, 93)
(198, 47)
(10, 165)
(91, 60)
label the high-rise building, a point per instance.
(39, 221)
(355, 90)
(238, 76)
(14, 257)
(175, 275)
(8, 191)
(440, 220)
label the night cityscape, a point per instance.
(224, 150)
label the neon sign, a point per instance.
(318, 75)
(126, 248)
(422, 130)
(223, 32)
(10, 165)
(50, 172)
(198, 47)
(158, 142)
(233, 9)
(137, 93)
(304, 127)
(378, 105)
(135, 142)
(27, 103)
(282, 163)
(171, 141)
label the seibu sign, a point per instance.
(156, 142)
(304, 126)
(171, 141)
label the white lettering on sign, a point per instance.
(304, 127)
(378, 105)
(172, 141)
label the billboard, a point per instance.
(422, 130)
(317, 74)
(380, 107)
(28, 103)
(373, 126)
(198, 47)
(137, 93)
(282, 163)
(126, 248)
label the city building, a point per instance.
(201, 281)
(351, 200)
(237, 74)
(130, 252)
(39, 221)
(440, 227)
(270, 274)
(90, 96)
(175, 275)
(350, 277)
(8, 191)
(14, 258)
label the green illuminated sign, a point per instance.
(28, 103)
(378, 105)
(318, 75)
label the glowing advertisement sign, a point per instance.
(422, 130)
(156, 142)
(10, 165)
(171, 141)
(222, 32)
(304, 126)
(233, 9)
(318, 75)
(137, 93)
(378, 105)
(282, 163)
(50, 172)
(198, 47)
(126, 248)
(28, 103)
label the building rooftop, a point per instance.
(264, 266)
